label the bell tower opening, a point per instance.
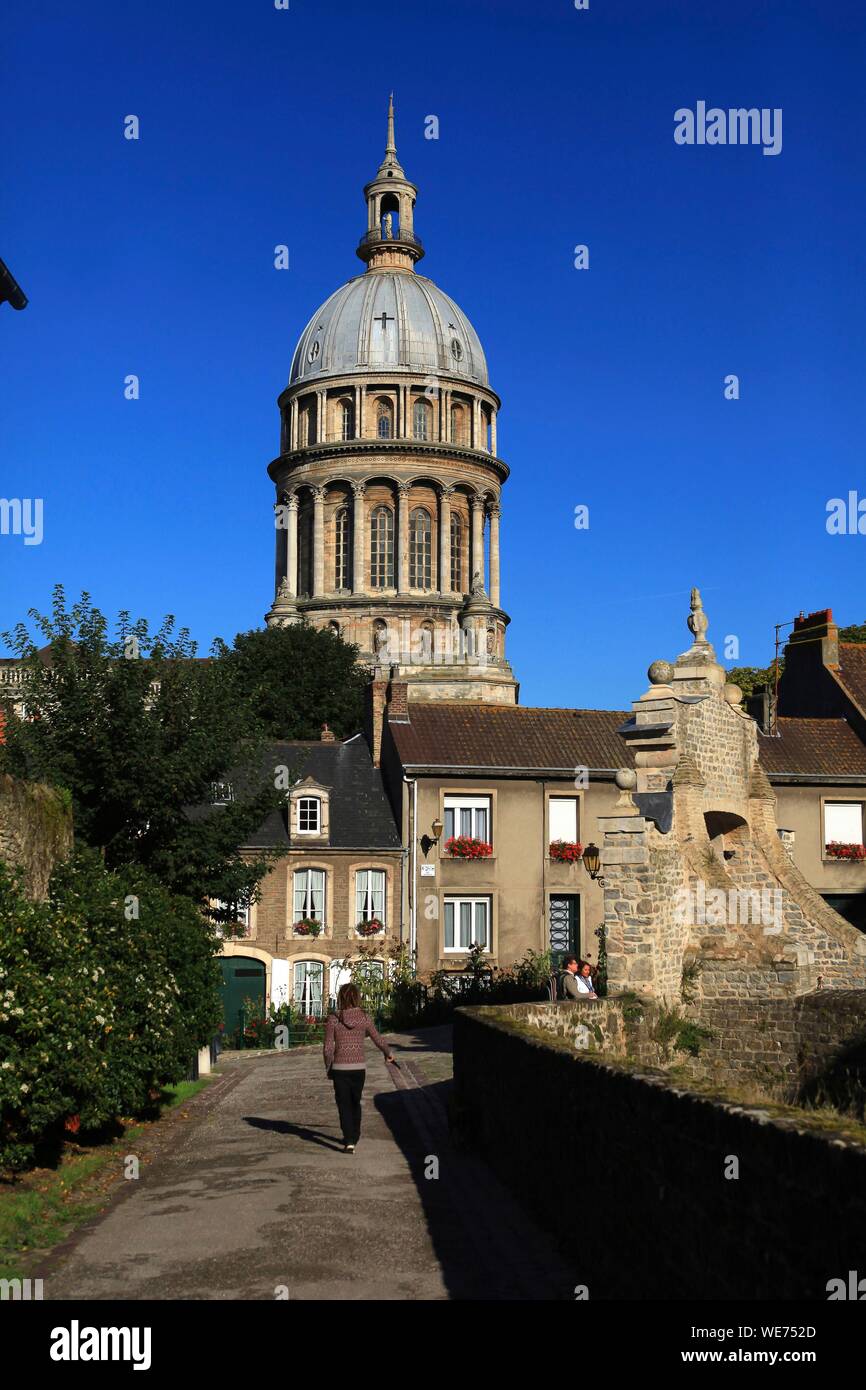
(389, 217)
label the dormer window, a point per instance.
(309, 815)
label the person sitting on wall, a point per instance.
(576, 980)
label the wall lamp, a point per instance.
(427, 842)
(592, 863)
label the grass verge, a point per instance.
(41, 1208)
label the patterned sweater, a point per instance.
(344, 1040)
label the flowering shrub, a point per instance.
(565, 851)
(465, 847)
(370, 927)
(837, 850)
(106, 992)
(308, 926)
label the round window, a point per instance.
(456, 349)
(314, 350)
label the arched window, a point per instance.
(458, 424)
(486, 429)
(305, 550)
(384, 420)
(382, 548)
(456, 553)
(370, 895)
(342, 538)
(420, 549)
(347, 422)
(389, 217)
(421, 420)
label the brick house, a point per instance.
(341, 868)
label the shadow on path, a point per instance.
(486, 1245)
(312, 1136)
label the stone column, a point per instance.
(477, 539)
(403, 537)
(357, 420)
(476, 423)
(495, 512)
(362, 412)
(444, 415)
(318, 541)
(445, 540)
(359, 532)
(293, 431)
(404, 412)
(493, 431)
(292, 547)
(321, 419)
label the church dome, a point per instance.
(391, 318)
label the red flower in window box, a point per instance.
(837, 850)
(565, 851)
(465, 847)
(370, 927)
(308, 927)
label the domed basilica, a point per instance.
(388, 480)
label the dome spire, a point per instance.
(390, 242)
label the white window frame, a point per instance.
(307, 801)
(297, 1001)
(831, 805)
(366, 894)
(307, 910)
(457, 902)
(455, 805)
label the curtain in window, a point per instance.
(370, 894)
(309, 894)
(449, 924)
(307, 992)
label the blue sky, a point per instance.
(260, 126)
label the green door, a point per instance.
(243, 978)
(564, 927)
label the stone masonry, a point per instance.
(696, 876)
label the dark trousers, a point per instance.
(348, 1086)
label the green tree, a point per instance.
(139, 730)
(749, 678)
(298, 678)
(855, 633)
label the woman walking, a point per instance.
(345, 1032)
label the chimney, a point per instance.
(328, 735)
(374, 714)
(398, 701)
(760, 706)
(815, 639)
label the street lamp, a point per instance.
(592, 862)
(427, 841)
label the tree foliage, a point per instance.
(298, 678)
(139, 730)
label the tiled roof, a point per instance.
(827, 747)
(360, 813)
(516, 737)
(851, 674)
(510, 737)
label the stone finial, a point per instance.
(697, 621)
(660, 673)
(733, 694)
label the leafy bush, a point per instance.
(106, 992)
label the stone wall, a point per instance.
(35, 830)
(629, 1173)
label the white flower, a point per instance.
(24, 1088)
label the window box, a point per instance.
(565, 851)
(467, 847)
(371, 927)
(307, 927)
(851, 852)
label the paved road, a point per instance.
(253, 1192)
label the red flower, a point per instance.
(837, 850)
(73, 1124)
(465, 847)
(565, 851)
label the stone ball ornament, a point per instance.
(733, 694)
(626, 778)
(660, 673)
